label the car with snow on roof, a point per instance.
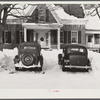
(29, 56)
(74, 56)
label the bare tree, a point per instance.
(6, 10)
(92, 9)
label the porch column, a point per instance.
(93, 40)
(34, 36)
(49, 38)
(58, 38)
(25, 35)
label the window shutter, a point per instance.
(9, 37)
(79, 36)
(36, 15)
(47, 15)
(69, 36)
(3, 37)
(65, 36)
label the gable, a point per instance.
(41, 14)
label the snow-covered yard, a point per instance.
(51, 77)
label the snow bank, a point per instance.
(6, 58)
(95, 59)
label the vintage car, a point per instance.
(29, 56)
(74, 56)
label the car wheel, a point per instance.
(41, 61)
(89, 64)
(27, 59)
(59, 59)
(16, 68)
(40, 69)
(63, 67)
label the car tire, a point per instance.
(63, 67)
(88, 64)
(59, 59)
(16, 68)
(41, 61)
(40, 69)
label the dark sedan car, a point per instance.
(74, 56)
(29, 56)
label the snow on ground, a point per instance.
(51, 77)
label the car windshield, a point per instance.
(76, 50)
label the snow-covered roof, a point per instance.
(93, 23)
(58, 12)
(63, 15)
(65, 18)
(20, 12)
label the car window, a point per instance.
(30, 48)
(74, 50)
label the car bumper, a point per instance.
(79, 67)
(20, 65)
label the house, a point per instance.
(48, 24)
(93, 33)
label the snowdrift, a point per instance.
(95, 60)
(6, 59)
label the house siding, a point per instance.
(81, 33)
(35, 15)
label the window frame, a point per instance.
(91, 39)
(6, 37)
(76, 37)
(96, 38)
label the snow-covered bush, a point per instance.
(6, 58)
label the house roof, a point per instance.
(58, 13)
(93, 23)
(61, 16)
(69, 19)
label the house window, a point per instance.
(74, 36)
(41, 15)
(17, 37)
(97, 37)
(41, 18)
(7, 37)
(47, 15)
(89, 38)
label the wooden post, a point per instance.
(93, 40)
(25, 35)
(49, 39)
(34, 36)
(58, 38)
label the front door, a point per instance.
(30, 35)
(42, 39)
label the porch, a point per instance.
(48, 35)
(93, 39)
